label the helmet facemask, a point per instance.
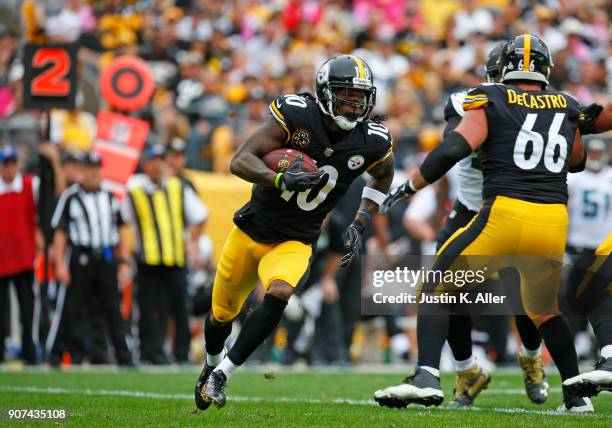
(348, 104)
(492, 68)
(493, 76)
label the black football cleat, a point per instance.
(214, 389)
(573, 403)
(199, 399)
(592, 383)
(420, 388)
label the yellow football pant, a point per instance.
(244, 261)
(513, 227)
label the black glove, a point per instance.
(352, 241)
(402, 192)
(588, 117)
(296, 179)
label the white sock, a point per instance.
(529, 353)
(606, 351)
(464, 365)
(227, 367)
(214, 360)
(431, 370)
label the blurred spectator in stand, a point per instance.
(387, 66)
(194, 26)
(433, 110)
(405, 115)
(187, 86)
(265, 50)
(11, 70)
(472, 54)
(75, 18)
(576, 43)
(33, 17)
(547, 28)
(472, 19)
(73, 130)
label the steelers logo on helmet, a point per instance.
(345, 90)
(526, 57)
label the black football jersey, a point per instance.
(530, 138)
(273, 215)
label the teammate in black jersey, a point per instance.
(471, 379)
(273, 237)
(528, 139)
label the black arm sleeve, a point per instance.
(442, 158)
(580, 167)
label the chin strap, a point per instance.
(342, 122)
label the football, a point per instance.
(280, 159)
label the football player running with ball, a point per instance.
(528, 139)
(272, 239)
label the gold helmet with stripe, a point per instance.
(526, 57)
(345, 81)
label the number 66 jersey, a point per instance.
(530, 137)
(273, 215)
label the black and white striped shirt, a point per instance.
(91, 219)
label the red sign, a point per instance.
(120, 140)
(121, 129)
(127, 83)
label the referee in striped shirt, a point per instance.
(91, 252)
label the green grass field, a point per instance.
(147, 398)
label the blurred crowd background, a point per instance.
(217, 64)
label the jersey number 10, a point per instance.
(527, 135)
(302, 199)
